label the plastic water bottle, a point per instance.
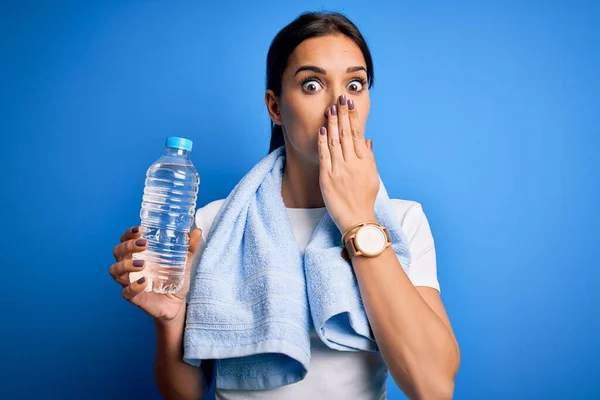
(167, 214)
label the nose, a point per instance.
(333, 99)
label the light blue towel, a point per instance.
(255, 296)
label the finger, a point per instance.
(133, 289)
(358, 136)
(126, 249)
(120, 270)
(324, 154)
(344, 129)
(131, 233)
(333, 138)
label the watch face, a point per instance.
(370, 240)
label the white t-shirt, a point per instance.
(334, 374)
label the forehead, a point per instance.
(331, 52)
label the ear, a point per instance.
(272, 104)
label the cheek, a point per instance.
(363, 106)
(303, 114)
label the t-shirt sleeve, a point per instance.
(200, 223)
(203, 219)
(423, 268)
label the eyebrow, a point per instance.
(322, 71)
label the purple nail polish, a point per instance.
(333, 110)
(141, 242)
(135, 229)
(138, 263)
(141, 280)
(323, 130)
(343, 100)
(350, 104)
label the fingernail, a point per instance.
(343, 100)
(135, 229)
(141, 280)
(350, 104)
(322, 131)
(141, 242)
(138, 263)
(333, 110)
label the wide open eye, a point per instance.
(311, 85)
(356, 85)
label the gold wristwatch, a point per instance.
(367, 239)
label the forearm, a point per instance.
(176, 380)
(418, 347)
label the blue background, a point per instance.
(485, 112)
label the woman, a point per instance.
(319, 71)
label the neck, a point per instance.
(300, 182)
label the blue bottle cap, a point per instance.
(179, 143)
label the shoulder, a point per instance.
(206, 215)
(410, 213)
(414, 224)
(404, 207)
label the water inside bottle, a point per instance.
(167, 212)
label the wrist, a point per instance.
(177, 322)
(349, 223)
(169, 339)
(367, 238)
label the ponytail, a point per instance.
(276, 137)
